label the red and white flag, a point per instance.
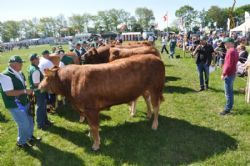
(165, 17)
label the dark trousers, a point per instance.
(41, 114)
(203, 68)
(51, 99)
(164, 48)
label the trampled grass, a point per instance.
(190, 130)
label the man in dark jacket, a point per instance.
(203, 54)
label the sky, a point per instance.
(28, 9)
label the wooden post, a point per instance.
(248, 84)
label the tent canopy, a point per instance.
(244, 28)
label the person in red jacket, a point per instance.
(228, 75)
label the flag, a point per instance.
(165, 17)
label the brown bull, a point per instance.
(92, 88)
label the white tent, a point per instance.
(244, 28)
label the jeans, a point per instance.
(41, 113)
(172, 51)
(229, 81)
(24, 123)
(203, 68)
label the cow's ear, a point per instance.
(95, 51)
(49, 73)
(55, 68)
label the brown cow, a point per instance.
(118, 53)
(92, 88)
(106, 54)
(102, 54)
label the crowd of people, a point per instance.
(222, 52)
(226, 53)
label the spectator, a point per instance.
(14, 95)
(84, 47)
(203, 54)
(164, 44)
(151, 39)
(220, 51)
(53, 49)
(172, 46)
(35, 77)
(77, 50)
(71, 46)
(243, 54)
(65, 60)
(45, 63)
(228, 75)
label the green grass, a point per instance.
(190, 130)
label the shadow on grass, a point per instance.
(168, 65)
(176, 142)
(178, 89)
(49, 155)
(236, 92)
(171, 78)
(241, 112)
(3, 118)
(67, 112)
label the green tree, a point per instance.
(28, 29)
(117, 17)
(47, 26)
(77, 22)
(61, 25)
(187, 14)
(240, 13)
(202, 17)
(11, 30)
(144, 17)
(218, 15)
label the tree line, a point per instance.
(104, 21)
(214, 17)
(108, 20)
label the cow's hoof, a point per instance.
(95, 148)
(155, 126)
(149, 115)
(81, 120)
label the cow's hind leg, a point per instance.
(156, 106)
(147, 99)
(93, 120)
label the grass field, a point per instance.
(191, 131)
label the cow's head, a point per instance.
(50, 81)
(89, 56)
(114, 54)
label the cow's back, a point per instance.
(118, 53)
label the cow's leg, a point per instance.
(82, 118)
(156, 105)
(156, 114)
(132, 106)
(148, 103)
(93, 120)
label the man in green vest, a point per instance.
(35, 76)
(65, 60)
(14, 94)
